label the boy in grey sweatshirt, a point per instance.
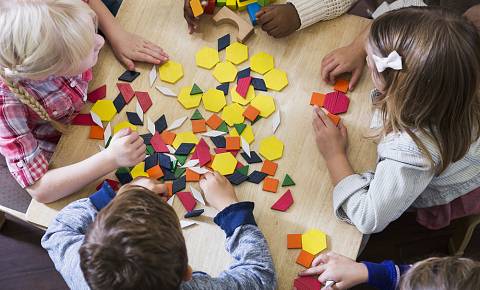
(134, 241)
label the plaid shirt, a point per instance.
(28, 142)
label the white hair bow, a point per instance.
(393, 61)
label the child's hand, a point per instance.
(344, 271)
(347, 59)
(126, 148)
(279, 20)
(192, 21)
(218, 191)
(331, 141)
(147, 183)
(129, 47)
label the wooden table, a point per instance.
(300, 56)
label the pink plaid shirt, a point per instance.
(28, 142)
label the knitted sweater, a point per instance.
(313, 11)
(252, 266)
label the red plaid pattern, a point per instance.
(28, 142)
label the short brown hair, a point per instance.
(448, 273)
(436, 94)
(134, 243)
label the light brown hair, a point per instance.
(436, 94)
(448, 273)
(134, 243)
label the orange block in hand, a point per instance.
(269, 167)
(214, 121)
(341, 85)
(305, 259)
(270, 184)
(232, 143)
(96, 132)
(317, 99)
(294, 241)
(251, 113)
(192, 175)
(155, 172)
(199, 126)
(197, 7)
(335, 119)
(169, 188)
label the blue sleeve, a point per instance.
(385, 275)
(103, 196)
(235, 215)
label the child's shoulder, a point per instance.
(401, 143)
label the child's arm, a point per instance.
(253, 266)
(126, 149)
(348, 273)
(283, 19)
(128, 47)
(66, 233)
(371, 201)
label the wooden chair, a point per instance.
(462, 233)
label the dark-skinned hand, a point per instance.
(279, 20)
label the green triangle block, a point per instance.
(123, 170)
(256, 120)
(197, 115)
(223, 127)
(149, 150)
(287, 181)
(179, 172)
(243, 170)
(240, 127)
(181, 159)
(196, 90)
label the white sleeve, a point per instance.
(313, 11)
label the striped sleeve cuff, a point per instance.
(346, 188)
(103, 196)
(235, 215)
(385, 275)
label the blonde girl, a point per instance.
(425, 65)
(48, 49)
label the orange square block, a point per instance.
(269, 167)
(96, 132)
(169, 188)
(232, 143)
(335, 119)
(341, 85)
(294, 241)
(305, 259)
(199, 126)
(270, 184)
(317, 99)
(155, 172)
(197, 7)
(214, 121)
(168, 137)
(251, 113)
(192, 175)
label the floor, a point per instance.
(25, 265)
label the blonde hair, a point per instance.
(448, 273)
(436, 94)
(43, 38)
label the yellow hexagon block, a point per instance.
(233, 114)
(188, 101)
(276, 79)
(139, 170)
(271, 148)
(225, 72)
(265, 104)
(241, 100)
(261, 62)
(171, 71)
(105, 110)
(314, 241)
(224, 163)
(123, 125)
(236, 53)
(248, 135)
(184, 137)
(207, 57)
(214, 100)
